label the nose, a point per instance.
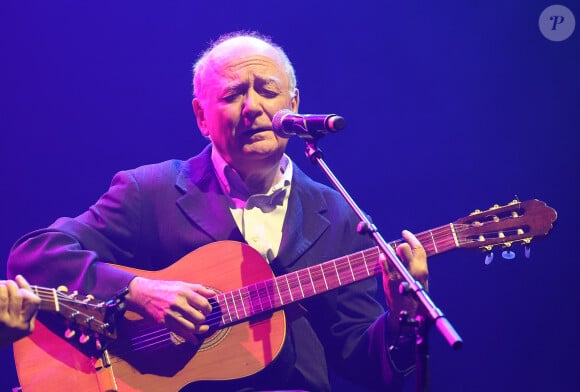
(252, 105)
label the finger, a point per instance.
(413, 255)
(3, 297)
(413, 242)
(197, 309)
(185, 328)
(14, 298)
(199, 299)
(30, 304)
(205, 291)
(22, 283)
(405, 253)
(30, 301)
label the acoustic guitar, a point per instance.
(248, 323)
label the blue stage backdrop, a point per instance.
(450, 106)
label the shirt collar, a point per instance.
(235, 188)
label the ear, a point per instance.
(295, 100)
(200, 117)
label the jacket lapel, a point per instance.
(203, 201)
(304, 223)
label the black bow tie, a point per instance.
(267, 203)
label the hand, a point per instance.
(413, 256)
(18, 308)
(179, 306)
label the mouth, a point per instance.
(254, 131)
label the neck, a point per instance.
(260, 181)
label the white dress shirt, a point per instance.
(260, 216)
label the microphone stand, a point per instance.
(421, 324)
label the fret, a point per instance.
(241, 302)
(350, 267)
(373, 255)
(433, 241)
(330, 273)
(454, 236)
(317, 277)
(255, 298)
(49, 298)
(220, 307)
(246, 300)
(227, 307)
(337, 273)
(345, 276)
(323, 276)
(231, 307)
(304, 281)
(289, 288)
(360, 270)
(234, 305)
(366, 265)
(284, 288)
(297, 274)
(237, 299)
(278, 291)
(263, 293)
(311, 280)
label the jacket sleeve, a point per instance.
(75, 252)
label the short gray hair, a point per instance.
(201, 63)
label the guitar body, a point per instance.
(162, 361)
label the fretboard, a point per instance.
(270, 294)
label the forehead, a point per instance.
(237, 57)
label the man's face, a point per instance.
(244, 85)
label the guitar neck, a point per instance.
(49, 298)
(83, 311)
(267, 295)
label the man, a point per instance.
(241, 187)
(18, 307)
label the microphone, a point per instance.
(286, 123)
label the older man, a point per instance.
(241, 187)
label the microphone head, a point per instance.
(277, 125)
(335, 123)
(286, 123)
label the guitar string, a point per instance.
(295, 278)
(292, 279)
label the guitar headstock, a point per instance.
(84, 313)
(516, 222)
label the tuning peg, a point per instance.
(69, 333)
(527, 251)
(508, 254)
(475, 212)
(488, 258)
(84, 338)
(98, 344)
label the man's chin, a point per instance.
(264, 147)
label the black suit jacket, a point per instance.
(153, 215)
